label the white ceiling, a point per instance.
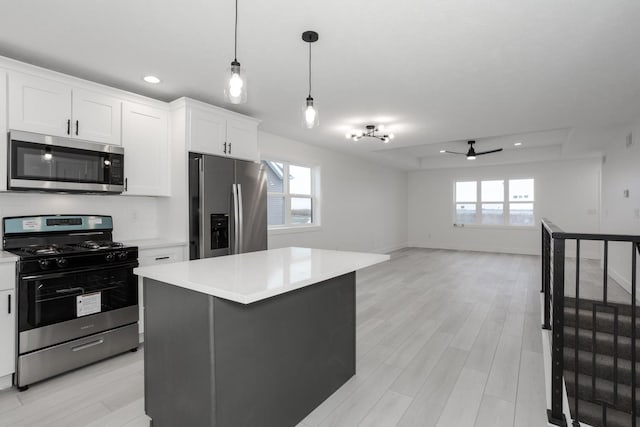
(433, 71)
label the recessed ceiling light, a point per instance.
(517, 144)
(151, 79)
(442, 151)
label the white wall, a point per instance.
(566, 192)
(620, 215)
(133, 217)
(363, 205)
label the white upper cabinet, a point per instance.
(242, 139)
(39, 105)
(96, 117)
(49, 107)
(214, 131)
(145, 138)
(208, 132)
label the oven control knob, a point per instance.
(44, 264)
(110, 257)
(62, 262)
(122, 256)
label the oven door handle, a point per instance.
(78, 271)
(69, 291)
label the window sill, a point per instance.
(294, 229)
(496, 227)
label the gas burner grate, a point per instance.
(103, 244)
(43, 250)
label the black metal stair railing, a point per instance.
(605, 315)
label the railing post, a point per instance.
(543, 258)
(546, 277)
(555, 414)
(634, 316)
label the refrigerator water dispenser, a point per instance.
(219, 231)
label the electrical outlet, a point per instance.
(629, 142)
(636, 212)
(626, 194)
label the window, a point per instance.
(290, 194)
(495, 202)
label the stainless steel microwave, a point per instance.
(50, 163)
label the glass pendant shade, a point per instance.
(310, 116)
(235, 90)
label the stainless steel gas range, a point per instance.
(77, 294)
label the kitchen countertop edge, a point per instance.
(159, 273)
(153, 243)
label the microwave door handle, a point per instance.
(202, 212)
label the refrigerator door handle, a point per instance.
(236, 224)
(202, 213)
(240, 220)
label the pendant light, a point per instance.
(235, 90)
(310, 117)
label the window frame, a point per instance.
(287, 195)
(506, 211)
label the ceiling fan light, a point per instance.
(443, 151)
(471, 157)
(391, 136)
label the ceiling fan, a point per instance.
(471, 154)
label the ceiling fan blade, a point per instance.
(488, 152)
(455, 152)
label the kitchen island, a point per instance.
(256, 339)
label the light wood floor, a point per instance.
(444, 338)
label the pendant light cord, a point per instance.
(309, 69)
(235, 40)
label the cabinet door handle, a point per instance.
(160, 258)
(225, 148)
(126, 184)
(229, 148)
(9, 306)
(77, 126)
(69, 127)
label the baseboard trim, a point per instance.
(622, 281)
(499, 250)
(390, 249)
(514, 251)
(6, 381)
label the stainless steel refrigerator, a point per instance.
(227, 206)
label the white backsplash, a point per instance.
(133, 217)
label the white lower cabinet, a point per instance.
(7, 320)
(155, 256)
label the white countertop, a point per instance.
(255, 276)
(155, 243)
(7, 257)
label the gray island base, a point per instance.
(213, 362)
